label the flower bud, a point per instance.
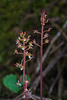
(30, 47)
(34, 41)
(35, 31)
(18, 84)
(45, 35)
(29, 55)
(17, 41)
(49, 29)
(19, 38)
(17, 64)
(26, 52)
(21, 33)
(16, 51)
(30, 43)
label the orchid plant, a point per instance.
(44, 40)
(22, 44)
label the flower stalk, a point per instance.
(24, 84)
(24, 46)
(41, 50)
(44, 36)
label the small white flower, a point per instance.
(21, 68)
(31, 45)
(17, 41)
(19, 84)
(22, 48)
(24, 39)
(29, 56)
(47, 41)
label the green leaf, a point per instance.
(9, 81)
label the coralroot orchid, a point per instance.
(24, 46)
(18, 83)
(45, 36)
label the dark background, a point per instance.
(17, 15)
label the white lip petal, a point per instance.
(29, 56)
(22, 48)
(19, 84)
(31, 44)
(21, 68)
(47, 41)
(24, 39)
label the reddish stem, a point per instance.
(24, 84)
(41, 50)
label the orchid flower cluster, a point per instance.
(45, 36)
(24, 45)
(44, 40)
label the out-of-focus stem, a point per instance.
(24, 84)
(41, 50)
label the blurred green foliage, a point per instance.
(64, 97)
(10, 14)
(44, 1)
